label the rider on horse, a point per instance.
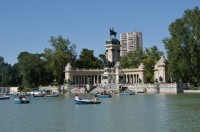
(112, 32)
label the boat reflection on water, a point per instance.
(19, 101)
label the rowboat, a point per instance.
(52, 95)
(85, 101)
(19, 101)
(142, 90)
(128, 93)
(104, 95)
(4, 97)
(38, 95)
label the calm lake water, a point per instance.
(136, 113)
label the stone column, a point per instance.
(87, 79)
(126, 78)
(83, 79)
(131, 78)
(71, 78)
(117, 78)
(74, 79)
(78, 79)
(81, 82)
(94, 79)
(97, 79)
(141, 77)
(135, 78)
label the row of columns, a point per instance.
(132, 78)
(4, 90)
(83, 79)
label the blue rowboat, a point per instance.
(104, 95)
(18, 101)
(85, 101)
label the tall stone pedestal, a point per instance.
(106, 75)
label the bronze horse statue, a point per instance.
(112, 32)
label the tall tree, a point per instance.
(183, 47)
(149, 57)
(152, 55)
(132, 59)
(62, 52)
(88, 60)
(31, 69)
(6, 76)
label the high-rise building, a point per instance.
(130, 42)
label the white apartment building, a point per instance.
(130, 42)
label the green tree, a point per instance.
(88, 60)
(6, 74)
(149, 58)
(132, 59)
(183, 47)
(31, 70)
(17, 75)
(62, 52)
(152, 55)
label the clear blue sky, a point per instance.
(26, 25)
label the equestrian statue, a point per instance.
(112, 32)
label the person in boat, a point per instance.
(77, 97)
(22, 97)
(96, 99)
(104, 92)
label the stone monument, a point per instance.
(112, 56)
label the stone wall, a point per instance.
(13, 90)
(52, 88)
(160, 88)
(168, 88)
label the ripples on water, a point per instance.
(137, 113)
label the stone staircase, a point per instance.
(109, 87)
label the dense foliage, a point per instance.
(62, 52)
(132, 59)
(183, 47)
(31, 70)
(152, 55)
(88, 60)
(148, 57)
(7, 75)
